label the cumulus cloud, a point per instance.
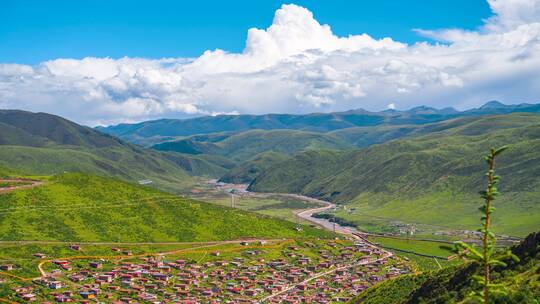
(295, 65)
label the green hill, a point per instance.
(44, 144)
(245, 145)
(453, 284)
(149, 132)
(366, 136)
(431, 179)
(23, 128)
(204, 165)
(81, 207)
(248, 170)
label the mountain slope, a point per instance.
(245, 145)
(151, 132)
(41, 129)
(82, 207)
(366, 136)
(452, 285)
(39, 143)
(430, 179)
(248, 170)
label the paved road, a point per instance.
(308, 215)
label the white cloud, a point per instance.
(510, 14)
(295, 65)
(391, 106)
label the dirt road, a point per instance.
(28, 183)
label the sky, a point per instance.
(35, 31)
(107, 62)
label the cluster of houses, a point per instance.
(301, 273)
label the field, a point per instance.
(423, 263)
(516, 214)
(424, 247)
(276, 206)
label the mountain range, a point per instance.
(152, 132)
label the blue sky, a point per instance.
(105, 62)
(35, 31)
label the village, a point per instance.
(256, 271)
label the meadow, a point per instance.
(276, 206)
(82, 207)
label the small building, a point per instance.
(87, 295)
(75, 247)
(29, 297)
(55, 285)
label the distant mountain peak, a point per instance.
(431, 110)
(422, 108)
(494, 104)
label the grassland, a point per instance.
(431, 179)
(419, 246)
(517, 213)
(423, 263)
(81, 207)
(275, 206)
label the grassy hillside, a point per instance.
(127, 164)
(40, 129)
(245, 145)
(248, 170)
(81, 207)
(205, 165)
(430, 179)
(44, 144)
(366, 136)
(453, 284)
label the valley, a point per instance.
(257, 216)
(260, 152)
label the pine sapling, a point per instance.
(484, 256)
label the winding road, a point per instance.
(307, 214)
(348, 231)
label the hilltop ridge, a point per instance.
(155, 131)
